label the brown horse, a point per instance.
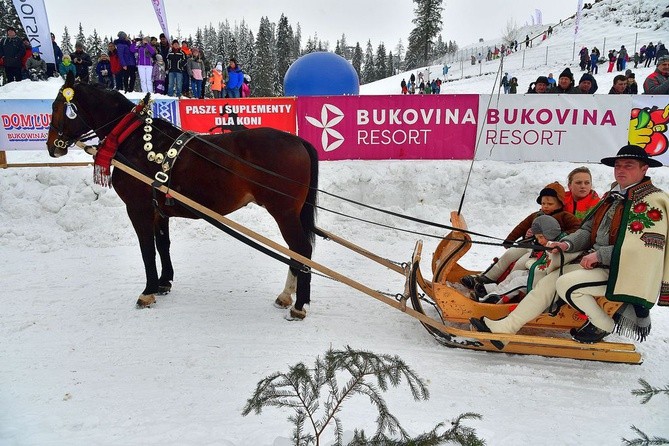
(222, 172)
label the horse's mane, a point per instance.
(99, 88)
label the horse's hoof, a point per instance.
(296, 315)
(164, 289)
(283, 301)
(146, 300)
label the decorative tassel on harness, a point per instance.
(107, 150)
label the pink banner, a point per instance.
(389, 127)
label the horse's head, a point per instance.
(66, 126)
(80, 109)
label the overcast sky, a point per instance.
(361, 20)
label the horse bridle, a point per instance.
(70, 112)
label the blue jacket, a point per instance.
(235, 78)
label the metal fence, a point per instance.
(542, 53)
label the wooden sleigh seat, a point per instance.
(457, 307)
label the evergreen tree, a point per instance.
(357, 60)
(94, 46)
(9, 17)
(264, 73)
(343, 47)
(297, 43)
(66, 43)
(368, 68)
(80, 37)
(284, 54)
(399, 52)
(428, 24)
(380, 61)
(223, 41)
(390, 64)
(311, 46)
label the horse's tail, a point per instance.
(308, 213)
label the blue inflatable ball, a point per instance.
(321, 74)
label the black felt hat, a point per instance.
(633, 153)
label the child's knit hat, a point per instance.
(552, 190)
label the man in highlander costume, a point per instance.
(624, 257)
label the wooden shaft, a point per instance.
(3, 159)
(362, 251)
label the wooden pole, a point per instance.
(3, 159)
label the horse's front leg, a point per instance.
(285, 299)
(142, 221)
(161, 232)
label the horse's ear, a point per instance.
(69, 80)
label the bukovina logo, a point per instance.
(331, 139)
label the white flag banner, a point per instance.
(36, 25)
(159, 7)
(579, 7)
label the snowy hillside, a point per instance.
(607, 25)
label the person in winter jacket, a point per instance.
(551, 198)
(513, 85)
(12, 51)
(580, 198)
(235, 79)
(158, 75)
(82, 62)
(612, 61)
(116, 68)
(36, 66)
(661, 51)
(505, 83)
(145, 54)
(195, 68)
(657, 82)
(594, 61)
(26, 56)
(66, 66)
(622, 58)
(565, 83)
(246, 87)
(403, 87)
(216, 81)
(632, 86)
(128, 62)
(619, 85)
(529, 269)
(52, 68)
(540, 86)
(104, 71)
(650, 55)
(625, 256)
(587, 84)
(174, 65)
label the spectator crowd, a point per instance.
(146, 64)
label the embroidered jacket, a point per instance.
(629, 235)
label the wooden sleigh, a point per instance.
(455, 307)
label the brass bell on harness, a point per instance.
(148, 128)
(151, 156)
(172, 153)
(148, 121)
(147, 137)
(160, 158)
(148, 146)
(166, 167)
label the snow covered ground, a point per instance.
(80, 365)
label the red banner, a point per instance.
(227, 115)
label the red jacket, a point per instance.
(581, 207)
(115, 62)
